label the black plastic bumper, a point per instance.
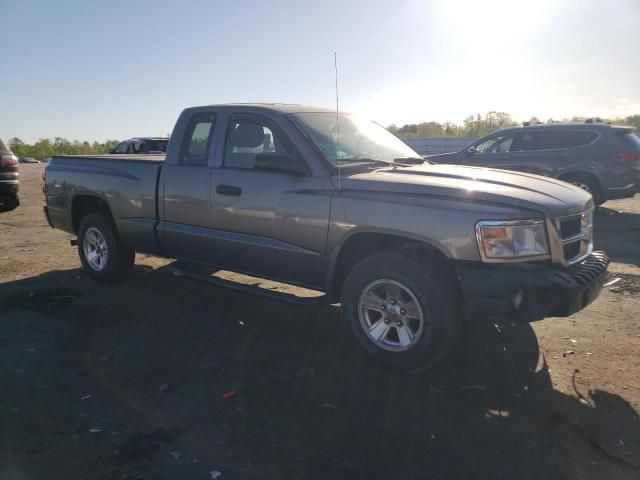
(547, 291)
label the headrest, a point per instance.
(247, 135)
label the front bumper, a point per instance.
(623, 192)
(547, 291)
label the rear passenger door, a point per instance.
(547, 151)
(184, 193)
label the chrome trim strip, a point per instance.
(621, 188)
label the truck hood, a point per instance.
(546, 195)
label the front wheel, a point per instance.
(103, 255)
(588, 185)
(398, 313)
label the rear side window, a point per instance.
(197, 139)
(554, 139)
(565, 139)
(155, 146)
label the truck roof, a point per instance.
(276, 107)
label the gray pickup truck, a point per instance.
(335, 203)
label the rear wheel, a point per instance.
(8, 204)
(398, 313)
(589, 185)
(103, 255)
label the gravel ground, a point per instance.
(166, 378)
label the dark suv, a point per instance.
(8, 179)
(599, 158)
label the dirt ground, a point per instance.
(165, 378)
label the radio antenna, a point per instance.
(335, 66)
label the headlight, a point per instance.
(511, 240)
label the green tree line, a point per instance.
(47, 147)
(481, 125)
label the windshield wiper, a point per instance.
(409, 160)
(365, 160)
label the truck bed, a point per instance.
(154, 158)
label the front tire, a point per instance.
(398, 313)
(104, 256)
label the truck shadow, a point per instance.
(617, 234)
(267, 390)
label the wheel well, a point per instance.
(362, 245)
(571, 175)
(83, 204)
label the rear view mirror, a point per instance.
(281, 162)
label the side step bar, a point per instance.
(181, 269)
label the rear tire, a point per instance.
(104, 256)
(9, 203)
(398, 313)
(589, 185)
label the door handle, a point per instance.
(228, 190)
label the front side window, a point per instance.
(497, 144)
(348, 138)
(197, 139)
(250, 136)
(120, 148)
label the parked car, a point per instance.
(344, 207)
(602, 159)
(9, 183)
(142, 145)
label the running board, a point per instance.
(182, 270)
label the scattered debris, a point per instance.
(229, 394)
(85, 397)
(573, 340)
(241, 322)
(583, 401)
(164, 388)
(177, 454)
(612, 282)
(496, 413)
(497, 327)
(95, 430)
(568, 352)
(328, 405)
(525, 388)
(215, 473)
(473, 387)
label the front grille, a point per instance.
(575, 235)
(570, 227)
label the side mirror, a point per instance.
(471, 150)
(281, 162)
(113, 150)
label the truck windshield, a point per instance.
(349, 140)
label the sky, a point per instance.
(92, 70)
